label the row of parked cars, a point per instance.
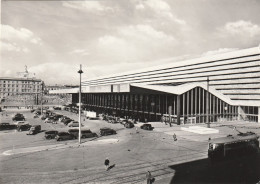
(74, 134)
(20, 125)
(51, 117)
(128, 123)
(71, 134)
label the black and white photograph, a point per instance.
(130, 92)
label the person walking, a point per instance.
(149, 177)
(107, 163)
(174, 137)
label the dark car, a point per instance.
(51, 134)
(147, 126)
(129, 125)
(64, 136)
(107, 131)
(57, 108)
(67, 121)
(35, 129)
(18, 117)
(84, 133)
(23, 127)
(7, 126)
(64, 118)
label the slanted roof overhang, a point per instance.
(181, 89)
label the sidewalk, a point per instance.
(224, 128)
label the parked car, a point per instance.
(57, 108)
(147, 126)
(35, 129)
(38, 112)
(64, 136)
(129, 125)
(67, 121)
(74, 124)
(51, 134)
(49, 120)
(123, 121)
(7, 126)
(23, 127)
(18, 117)
(84, 133)
(107, 131)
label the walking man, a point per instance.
(149, 178)
(106, 163)
(174, 137)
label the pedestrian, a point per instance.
(136, 130)
(106, 163)
(174, 137)
(149, 178)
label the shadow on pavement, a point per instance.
(238, 170)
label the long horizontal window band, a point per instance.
(207, 67)
(240, 89)
(179, 66)
(235, 83)
(245, 99)
(205, 75)
(244, 94)
(149, 81)
(139, 78)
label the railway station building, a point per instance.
(222, 87)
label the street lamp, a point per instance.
(41, 97)
(208, 123)
(80, 72)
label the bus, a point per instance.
(232, 146)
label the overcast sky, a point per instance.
(112, 36)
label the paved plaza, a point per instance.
(32, 159)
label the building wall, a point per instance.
(141, 104)
(16, 86)
(234, 74)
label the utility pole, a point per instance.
(41, 98)
(208, 123)
(80, 72)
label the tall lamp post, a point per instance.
(80, 72)
(41, 97)
(208, 123)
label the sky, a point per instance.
(52, 38)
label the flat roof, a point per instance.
(17, 78)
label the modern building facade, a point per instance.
(207, 89)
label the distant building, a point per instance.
(58, 87)
(25, 83)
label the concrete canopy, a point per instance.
(180, 89)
